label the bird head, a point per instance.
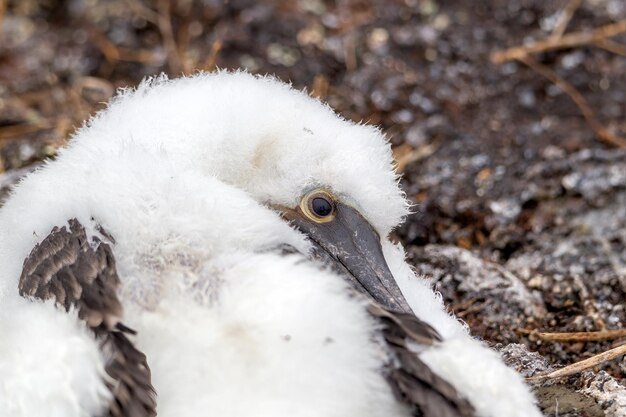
(343, 238)
(331, 178)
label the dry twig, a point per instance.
(582, 365)
(113, 53)
(15, 131)
(582, 336)
(405, 154)
(109, 49)
(604, 134)
(349, 52)
(167, 32)
(598, 37)
(566, 41)
(565, 17)
(144, 11)
(3, 8)
(102, 86)
(320, 86)
(611, 46)
(210, 62)
(473, 309)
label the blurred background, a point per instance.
(507, 119)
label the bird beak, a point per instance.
(351, 246)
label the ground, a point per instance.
(519, 188)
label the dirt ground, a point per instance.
(517, 167)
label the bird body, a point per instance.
(178, 186)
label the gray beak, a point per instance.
(350, 245)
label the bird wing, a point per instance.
(75, 273)
(411, 379)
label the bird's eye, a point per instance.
(319, 206)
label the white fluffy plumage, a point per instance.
(182, 172)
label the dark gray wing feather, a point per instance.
(411, 379)
(67, 268)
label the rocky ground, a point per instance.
(520, 200)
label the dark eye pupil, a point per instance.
(321, 206)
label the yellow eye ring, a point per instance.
(318, 206)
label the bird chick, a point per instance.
(144, 270)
